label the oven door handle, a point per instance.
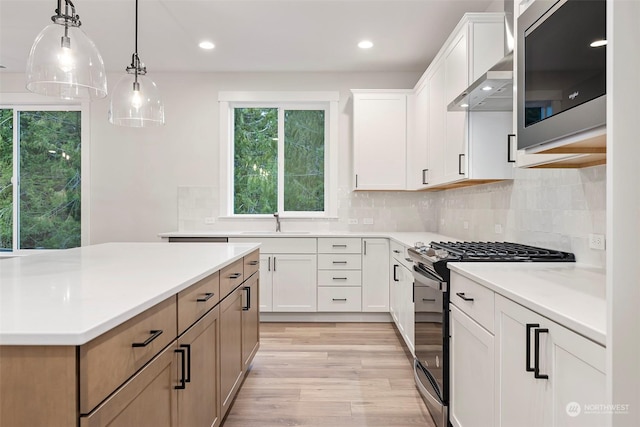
(441, 285)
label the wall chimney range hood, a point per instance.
(493, 91)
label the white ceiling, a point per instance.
(250, 35)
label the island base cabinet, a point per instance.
(148, 399)
(231, 363)
(570, 378)
(472, 372)
(250, 321)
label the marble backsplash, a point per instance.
(554, 208)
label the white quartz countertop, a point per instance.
(69, 297)
(407, 238)
(570, 294)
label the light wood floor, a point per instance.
(329, 374)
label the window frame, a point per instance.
(33, 102)
(327, 101)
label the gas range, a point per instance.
(436, 255)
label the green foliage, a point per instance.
(49, 180)
(6, 171)
(256, 160)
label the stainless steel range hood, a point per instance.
(493, 91)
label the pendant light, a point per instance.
(64, 62)
(135, 101)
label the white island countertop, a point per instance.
(71, 296)
(570, 294)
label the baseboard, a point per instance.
(325, 317)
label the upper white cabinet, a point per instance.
(379, 139)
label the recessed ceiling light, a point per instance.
(487, 88)
(365, 44)
(207, 45)
(598, 43)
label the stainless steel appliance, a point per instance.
(431, 301)
(561, 70)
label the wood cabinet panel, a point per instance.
(230, 347)
(107, 361)
(196, 300)
(251, 263)
(231, 276)
(250, 321)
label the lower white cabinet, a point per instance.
(570, 376)
(375, 273)
(294, 282)
(401, 300)
(472, 372)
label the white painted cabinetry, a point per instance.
(375, 275)
(570, 377)
(339, 274)
(379, 139)
(401, 294)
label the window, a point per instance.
(40, 177)
(279, 155)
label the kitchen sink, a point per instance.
(275, 233)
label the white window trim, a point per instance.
(34, 102)
(229, 100)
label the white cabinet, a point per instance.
(401, 295)
(417, 137)
(471, 354)
(375, 275)
(339, 274)
(266, 283)
(570, 372)
(379, 139)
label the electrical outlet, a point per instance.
(597, 241)
(367, 221)
(210, 220)
(465, 225)
(498, 228)
(353, 221)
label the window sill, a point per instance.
(271, 218)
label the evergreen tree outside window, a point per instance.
(40, 178)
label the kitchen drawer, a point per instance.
(251, 263)
(110, 359)
(339, 262)
(399, 252)
(473, 299)
(339, 278)
(195, 301)
(339, 298)
(230, 277)
(427, 300)
(339, 245)
(281, 245)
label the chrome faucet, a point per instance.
(277, 217)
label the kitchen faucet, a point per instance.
(277, 217)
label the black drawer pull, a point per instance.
(509, 145)
(428, 300)
(395, 251)
(460, 156)
(338, 299)
(183, 365)
(530, 326)
(408, 259)
(424, 176)
(206, 298)
(339, 262)
(395, 272)
(463, 296)
(154, 334)
(254, 262)
(248, 306)
(187, 378)
(339, 246)
(536, 360)
(235, 275)
(339, 278)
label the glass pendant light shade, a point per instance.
(65, 63)
(136, 103)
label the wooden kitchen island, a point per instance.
(127, 334)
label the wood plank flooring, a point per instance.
(329, 374)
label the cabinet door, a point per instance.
(472, 372)
(148, 399)
(250, 320)
(198, 402)
(231, 363)
(266, 283)
(394, 291)
(375, 271)
(417, 138)
(379, 139)
(437, 130)
(294, 282)
(406, 310)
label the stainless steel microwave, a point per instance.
(561, 81)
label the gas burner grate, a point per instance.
(502, 251)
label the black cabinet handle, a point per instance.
(464, 297)
(460, 156)
(395, 251)
(248, 307)
(339, 278)
(428, 300)
(395, 273)
(154, 334)
(269, 264)
(206, 297)
(408, 259)
(274, 263)
(187, 377)
(536, 359)
(338, 299)
(235, 275)
(356, 180)
(338, 246)
(424, 176)
(365, 247)
(530, 326)
(254, 262)
(339, 262)
(509, 145)
(183, 365)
